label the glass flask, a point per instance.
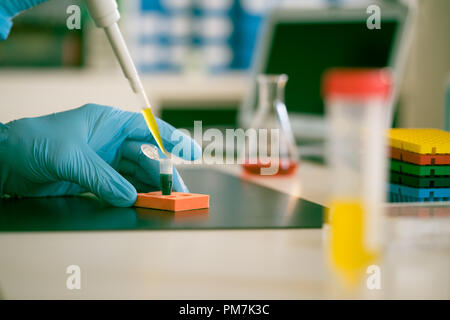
(270, 147)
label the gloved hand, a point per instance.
(10, 8)
(84, 149)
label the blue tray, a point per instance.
(398, 193)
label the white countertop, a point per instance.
(227, 264)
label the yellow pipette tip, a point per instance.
(150, 119)
(153, 127)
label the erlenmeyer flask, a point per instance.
(273, 151)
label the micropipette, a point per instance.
(105, 14)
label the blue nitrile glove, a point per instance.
(84, 149)
(9, 9)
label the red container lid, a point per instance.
(359, 83)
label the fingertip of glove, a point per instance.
(5, 27)
(126, 197)
(188, 150)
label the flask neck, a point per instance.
(271, 89)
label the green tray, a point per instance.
(418, 181)
(414, 169)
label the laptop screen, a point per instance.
(305, 50)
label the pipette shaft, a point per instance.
(105, 15)
(123, 56)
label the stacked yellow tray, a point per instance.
(420, 165)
